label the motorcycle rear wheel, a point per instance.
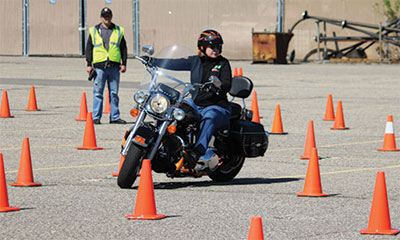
(227, 171)
(131, 167)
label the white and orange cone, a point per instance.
(389, 141)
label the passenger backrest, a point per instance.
(241, 87)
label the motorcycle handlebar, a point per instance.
(142, 60)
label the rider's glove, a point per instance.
(214, 89)
(146, 58)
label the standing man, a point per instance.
(106, 51)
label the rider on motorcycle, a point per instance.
(211, 105)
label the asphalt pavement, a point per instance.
(79, 199)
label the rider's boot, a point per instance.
(191, 157)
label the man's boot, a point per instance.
(190, 158)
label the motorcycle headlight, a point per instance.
(178, 114)
(159, 104)
(139, 97)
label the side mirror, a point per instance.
(215, 80)
(148, 50)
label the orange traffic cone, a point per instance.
(254, 108)
(4, 204)
(329, 114)
(310, 141)
(25, 174)
(235, 72)
(89, 138)
(256, 229)
(5, 108)
(83, 111)
(312, 185)
(145, 208)
(121, 161)
(240, 71)
(277, 127)
(32, 106)
(107, 107)
(389, 141)
(379, 218)
(339, 119)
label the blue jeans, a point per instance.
(111, 76)
(212, 118)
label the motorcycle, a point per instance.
(173, 126)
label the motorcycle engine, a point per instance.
(167, 155)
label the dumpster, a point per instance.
(270, 47)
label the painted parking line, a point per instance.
(343, 171)
(270, 150)
(55, 146)
(294, 176)
(327, 146)
(69, 167)
(276, 150)
(38, 130)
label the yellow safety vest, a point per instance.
(100, 54)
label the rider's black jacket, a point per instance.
(201, 68)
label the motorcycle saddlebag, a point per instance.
(249, 138)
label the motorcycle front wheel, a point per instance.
(131, 167)
(228, 170)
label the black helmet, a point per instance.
(209, 37)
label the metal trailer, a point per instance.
(383, 34)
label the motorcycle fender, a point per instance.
(143, 136)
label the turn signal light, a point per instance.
(172, 129)
(139, 139)
(134, 112)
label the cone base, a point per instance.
(380, 232)
(281, 133)
(6, 116)
(25, 184)
(328, 119)
(311, 195)
(80, 119)
(115, 174)
(145, 217)
(340, 128)
(387, 150)
(89, 148)
(307, 158)
(9, 209)
(32, 110)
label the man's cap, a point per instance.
(105, 11)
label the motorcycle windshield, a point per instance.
(178, 80)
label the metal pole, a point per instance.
(82, 26)
(318, 43)
(380, 42)
(25, 27)
(280, 15)
(325, 53)
(283, 15)
(136, 28)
